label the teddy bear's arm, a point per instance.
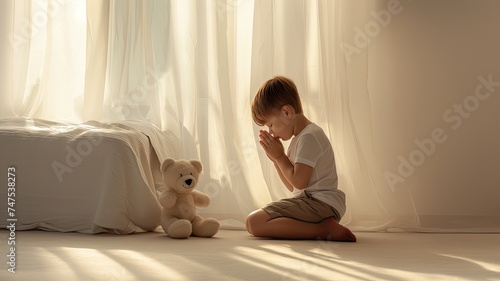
(200, 198)
(168, 199)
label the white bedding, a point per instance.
(90, 178)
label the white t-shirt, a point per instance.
(313, 148)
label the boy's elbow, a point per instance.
(300, 185)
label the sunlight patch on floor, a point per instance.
(56, 262)
(485, 265)
(92, 261)
(145, 263)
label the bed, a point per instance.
(91, 177)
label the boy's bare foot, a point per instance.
(337, 232)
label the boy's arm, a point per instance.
(288, 185)
(297, 175)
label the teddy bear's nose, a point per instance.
(188, 181)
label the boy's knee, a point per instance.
(255, 222)
(250, 222)
(247, 225)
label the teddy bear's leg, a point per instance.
(176, 228)
(205, 227)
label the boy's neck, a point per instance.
(300, 123)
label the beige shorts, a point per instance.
(304, 208)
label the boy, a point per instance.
(308, 170)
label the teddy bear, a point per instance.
(179, 200)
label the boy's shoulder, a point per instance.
(310, 128)
(313, 131)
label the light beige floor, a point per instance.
(234, 255)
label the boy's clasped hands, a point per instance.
(272, 146)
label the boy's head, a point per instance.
(272, 96)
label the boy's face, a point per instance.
(280, 125)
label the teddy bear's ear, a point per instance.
(197, 165)
(166, 164)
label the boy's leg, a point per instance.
(261, 224)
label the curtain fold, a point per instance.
(6, 57)
(46, 69)
(96, 53)
(193, 67)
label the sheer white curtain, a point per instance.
(192, 67)
(43, 73)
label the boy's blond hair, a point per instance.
(272, 95)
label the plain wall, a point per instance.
(422, 65)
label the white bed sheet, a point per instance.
(90, 178)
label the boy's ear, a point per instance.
(287, 110)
